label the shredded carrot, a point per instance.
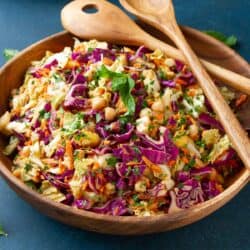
(84, 185)
(153, 206)
(96, 166)
(242, 99)
(72, 64)
(36, 178)
(24, 153)
(43, 124)
(185, 159)
(50, 161)
(191, 93)
(171, 163)
(180, 81)
(193, 86)
(185, 151)
(132, 163)
(102, 189)
(176, 116)
(107, 61)
(150, 102)
(61, 166)
(151, 165)
(158, 62)
(159, 116)
(215, 176)
(219, 187)
(69, 153)
(61, 122)
(190, 118)
(28, 143)
(106, 142)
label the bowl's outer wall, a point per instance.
(11, 76)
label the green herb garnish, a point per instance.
(78, 122)
(9, 53)
(128, 171)
(122, 83)
(135, 198)
(111, 161)
(90, 49)
(2, 232)
(180, 185)
(27, 167)
(200, 143)
(79, 136)
(44, 115)
(189, 165)
(98, 117)
(230, 41)
(31, 184)
(136, 150)
(182, 121)
(161, 74)
(57, 77)
(136, 170)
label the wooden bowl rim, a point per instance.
(238, 184)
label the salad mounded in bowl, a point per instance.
(118, 131)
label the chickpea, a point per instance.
(193, 131)
(109, 188)
(98, 103)
(97, 92)
(158, 106)
(17, 172)
(109, 113)
(140, 186)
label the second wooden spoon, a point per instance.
(160, 14)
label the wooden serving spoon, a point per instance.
(110, 24)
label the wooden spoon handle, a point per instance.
(231, 125)
(228, 77)
(111, 24)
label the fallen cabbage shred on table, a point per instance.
(117, 131)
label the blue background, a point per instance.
(23, 22)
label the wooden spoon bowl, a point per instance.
(11, 76)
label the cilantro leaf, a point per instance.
(189, 165)
(31, 184)
(230, 41)
(111, 161)
(122, 83)
(27, 167)
(2, 232)
(9, 53)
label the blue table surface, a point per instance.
(23, 22)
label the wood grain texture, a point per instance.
(119, 28)
(12, 75)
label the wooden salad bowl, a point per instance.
(12, 75)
